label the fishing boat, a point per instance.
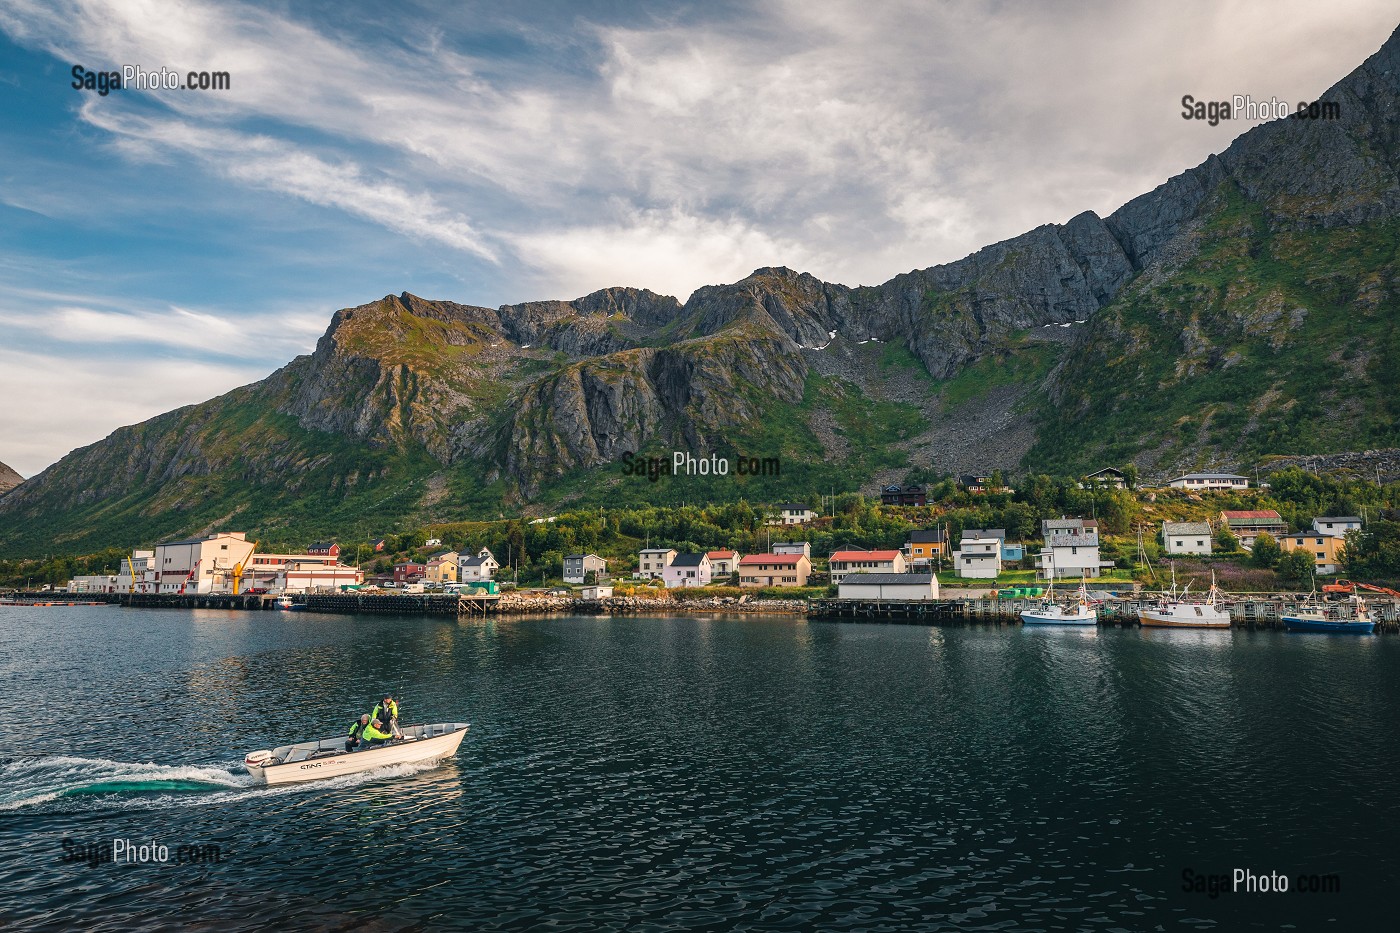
(1075, 612)
(327, 758)
(1179, 612)
(1316, 619)
(285, 603)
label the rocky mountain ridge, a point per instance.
(1184, 329)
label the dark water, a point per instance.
(706, 773)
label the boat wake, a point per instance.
(66, 783)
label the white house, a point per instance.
(793, 513)
(1071, 550)
(598, 591)
(793, 547)
(978, 556)
(1336, 526)
(653, 561)
(1186, 537)
(1207, 482)
(687, 570)
(896, 586)
(857, 561)
(577, 567)
(723, 564)
(477, 568)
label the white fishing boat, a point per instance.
(1179, 612)
(1078, 611)
(327, 758)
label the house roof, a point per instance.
(1209, 476)
(1186, 528)
(657, 550)
(864, 555)
(794, 505)
(753, 559)
(1060, 524)
(1114, 470)
(689, 560)
(926, 536)
(888, 579)
(583, 557)
(721, 555)
(1333, 518)
(1253, 515)
(999, 533)
(974, 479)
(474, 561)
(1087, 539)
(321, 545)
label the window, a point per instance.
(1200, 543)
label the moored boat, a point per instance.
(1179, 612)
(327, 758)
(1076, 612)
(1318, 619)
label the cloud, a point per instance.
(93, 396)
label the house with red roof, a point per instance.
(774, 570)
(723, 563)
(1248, 524)
(859, 560)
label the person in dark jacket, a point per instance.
(387, 711)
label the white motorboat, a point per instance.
(326, 758)
(1076, 612)
(1179, 612)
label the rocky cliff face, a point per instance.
(1244, 307)
(9, 479)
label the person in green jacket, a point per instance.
(388, 711)
(373, 735)
(353, 737)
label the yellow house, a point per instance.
(1326, 549)
(442, 568)
(926, 546)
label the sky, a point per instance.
(160, 247)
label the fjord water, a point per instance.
(695, 772)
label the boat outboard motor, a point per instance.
(257, 758)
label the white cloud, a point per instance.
(84, 397)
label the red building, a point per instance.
(409, 571)
(324, 549)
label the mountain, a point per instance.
(1246, 307)
(9, 479)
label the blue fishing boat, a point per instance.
(1316, 619)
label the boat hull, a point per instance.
(296, 763)
(1032, 617)
(1154, 619)
(1342, 626)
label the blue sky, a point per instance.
(161, 247)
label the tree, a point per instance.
(1296, 566)
(1266, 551)
(1226, 541)
(1130, 475)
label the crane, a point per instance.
(238, 569)
(132, 567)
(193, 570)
(1348, 587)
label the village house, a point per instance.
(793, 547)
(1186, 537)
(597, 591)
(1325, 548)
(687, 570)
(857, 560)
(324, 549)
(1249, 524)
(409, 571)
(978, 556)
(925, 546)
(774, 570)
(912, 494)
(892, 586)
(723, 564)
(441, 568)
(1071, 550)
(975, 482)
(793, 513)
(477, 568)
(577, 567)
(1209, 482)
(378, 545)
(1337, 525)
(1108, 476)
(653, 561)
